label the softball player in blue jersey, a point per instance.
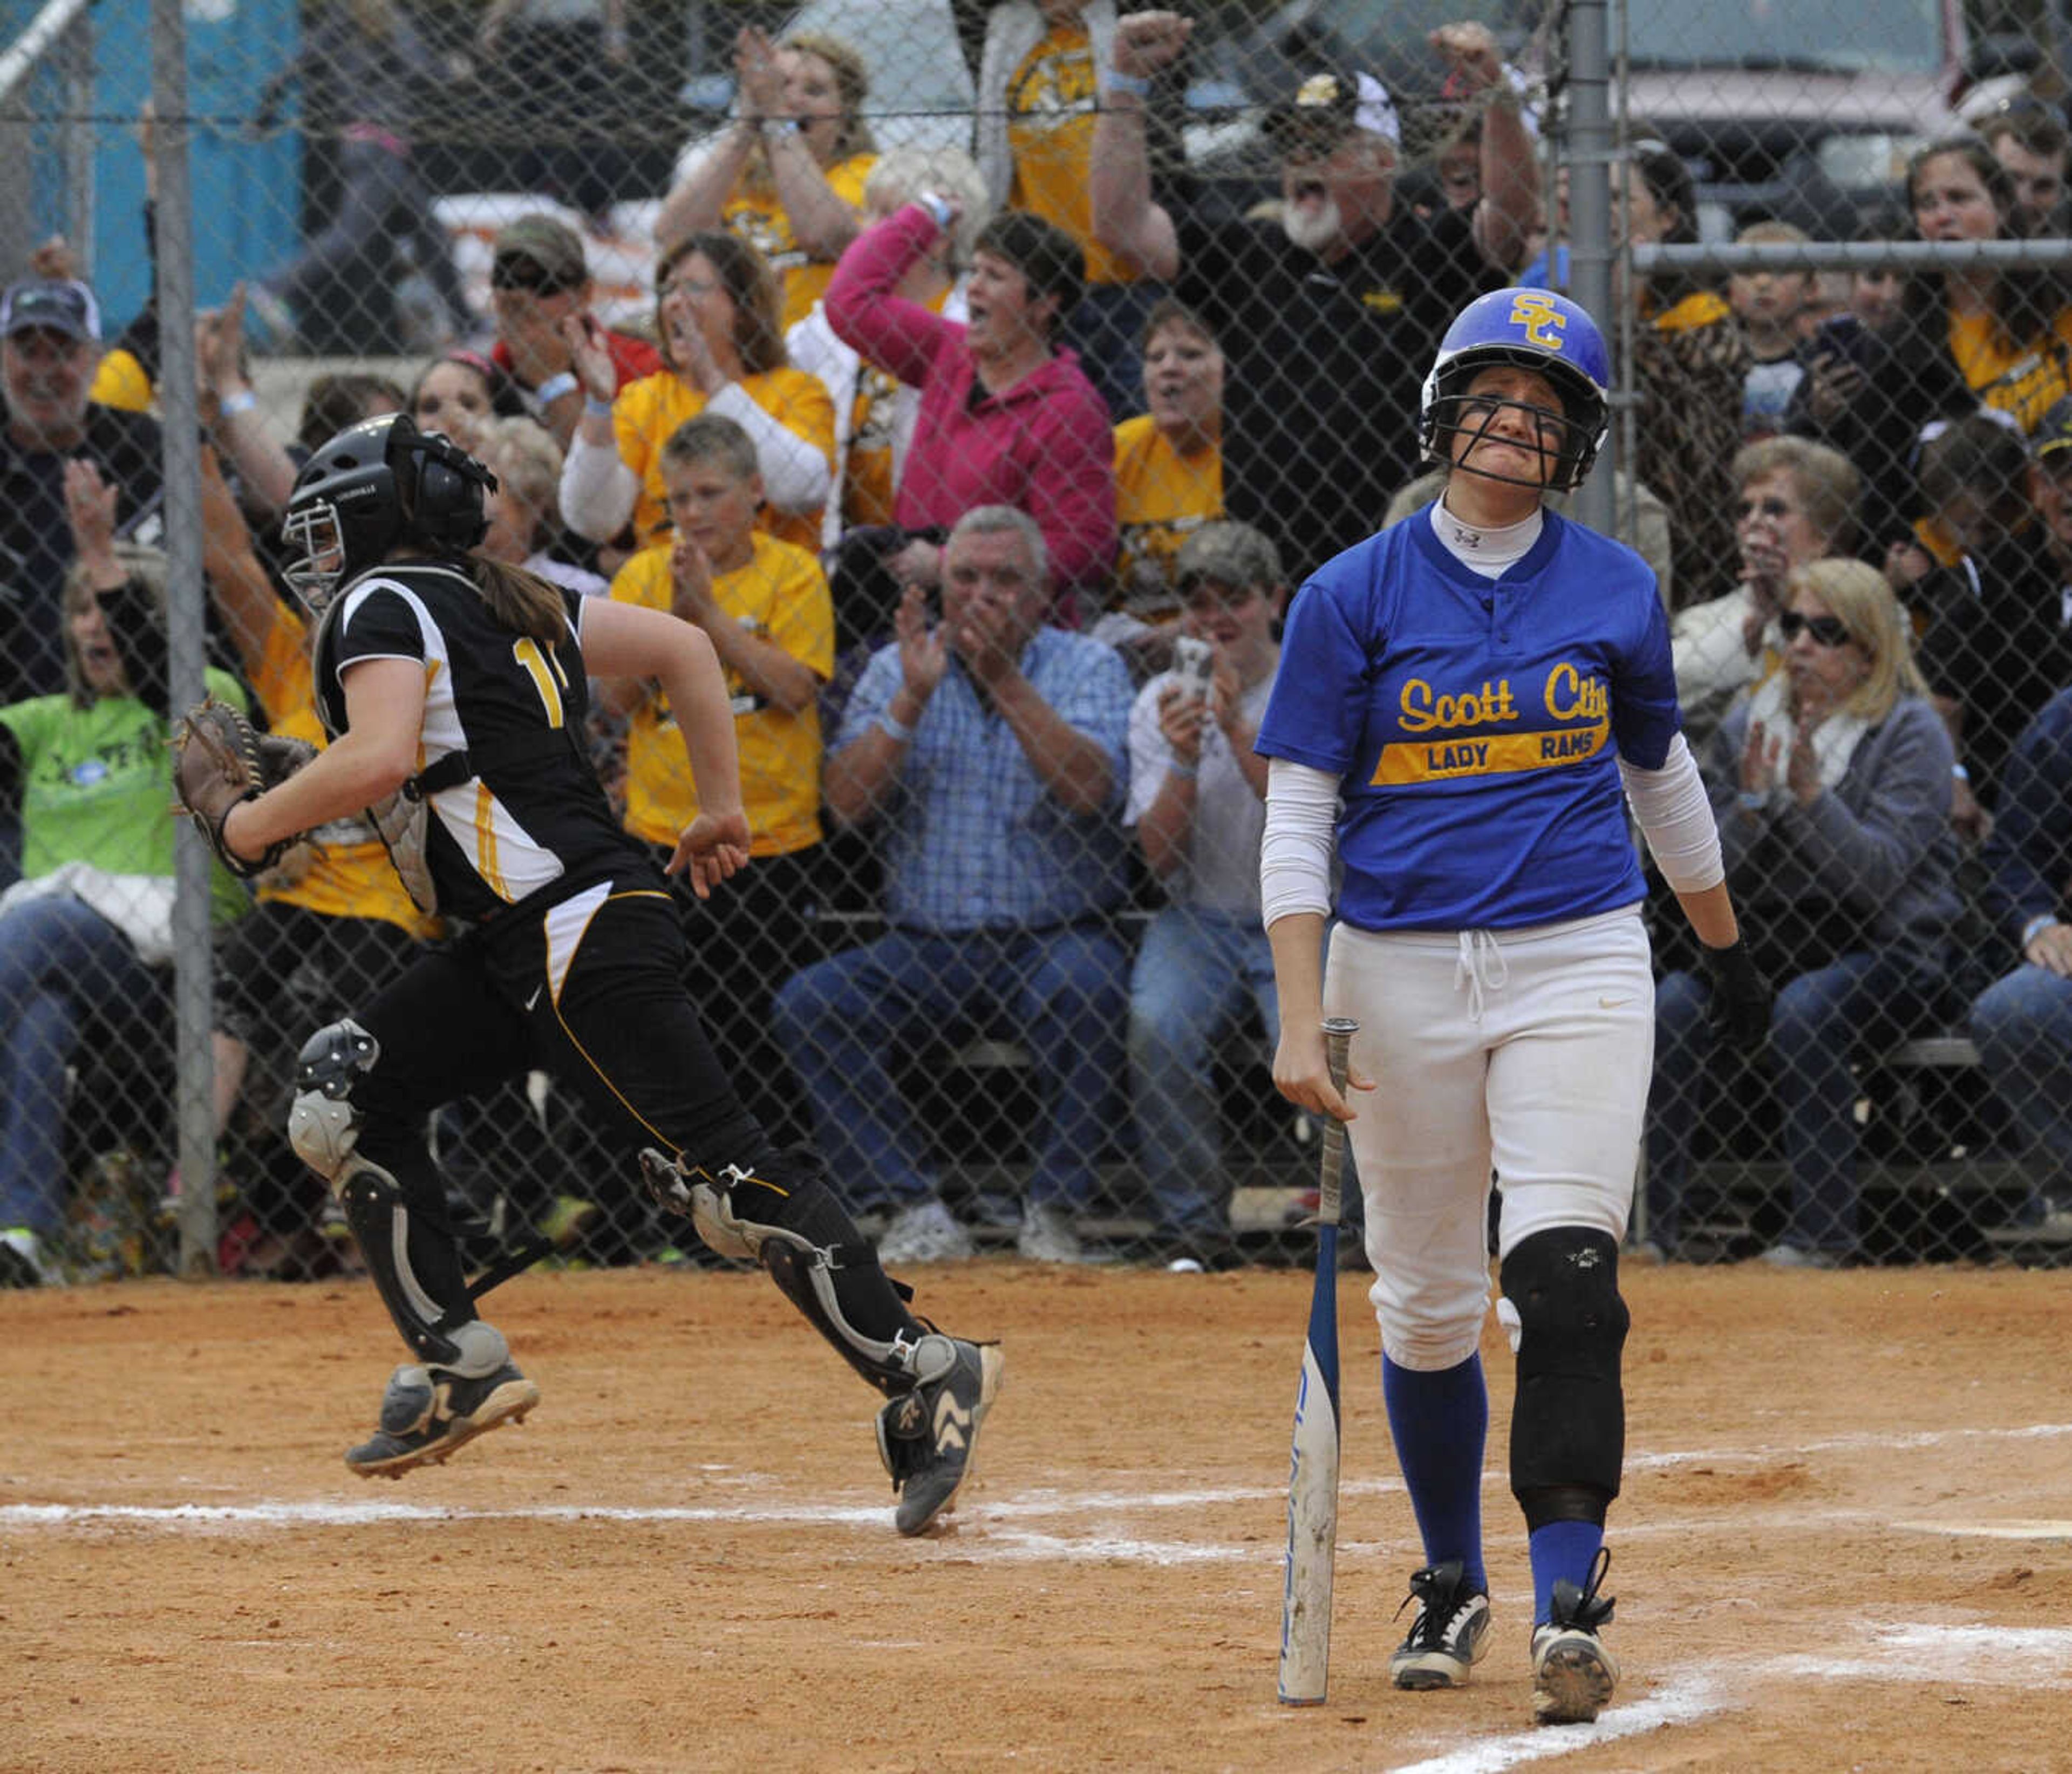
(1467, 702)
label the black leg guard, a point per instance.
(384, 1179)
(783, 1216)
(937, 1389)
(1567, 1426)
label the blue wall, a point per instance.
(246, 194)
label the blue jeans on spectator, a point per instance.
(1819, 1021)
(1059, 993)
(1195, 973)
(2022, 1025)
(60, 964)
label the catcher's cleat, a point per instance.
(1573, 1675)
(426, 1413)
(927, 1438)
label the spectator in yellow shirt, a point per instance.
(788, 175)
(1169, 461)
(765, 605)
(717, 317)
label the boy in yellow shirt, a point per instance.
(764, 604)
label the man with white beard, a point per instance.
(1330, 315)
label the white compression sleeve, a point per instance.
(1295, 853)
(1676, 816)
(598, 490)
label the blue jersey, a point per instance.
(1477, 725)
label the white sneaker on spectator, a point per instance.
(2055, 1227)
(1791, 1256)
(924, 1233)
(1047, 1236)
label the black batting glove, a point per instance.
(1740, 996)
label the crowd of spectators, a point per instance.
(961, 456)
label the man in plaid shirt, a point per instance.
(991, 752)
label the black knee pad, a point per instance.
(1568, 1427)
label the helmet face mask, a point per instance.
(1535, 329)
(1457, 413)
(313, 531)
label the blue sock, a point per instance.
(1561, 1548)
(1439, 1422)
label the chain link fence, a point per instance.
(398, 206)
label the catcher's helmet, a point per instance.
(376, 487)
(1538, 331)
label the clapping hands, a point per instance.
(1761, 754)
(589, 356)
(690, 573)
(924, 653)
(90, 511)
(760, 75)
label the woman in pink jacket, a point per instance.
(1006, 418)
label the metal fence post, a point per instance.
(1590, 213)
(193, 964)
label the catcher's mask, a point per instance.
(1535, 329)
(376, 487)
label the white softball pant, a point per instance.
(1528, 1052)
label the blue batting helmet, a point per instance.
(1538, 331)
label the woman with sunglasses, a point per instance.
(1795, 502)
(1832, 785)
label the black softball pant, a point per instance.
(589, 989)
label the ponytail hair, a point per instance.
(520, 601)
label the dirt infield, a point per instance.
(1846, 1541)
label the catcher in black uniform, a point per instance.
(455, 689)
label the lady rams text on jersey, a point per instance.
(1582, 702)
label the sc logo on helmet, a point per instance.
(1542, 322)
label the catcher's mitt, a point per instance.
(220, 759)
